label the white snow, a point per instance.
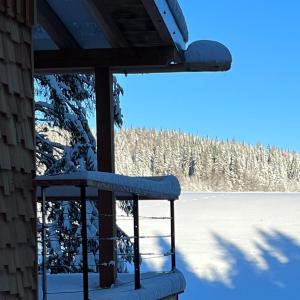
(162, 187)
(171, 21)
(154, 286)
(230, 246)
(205, 52)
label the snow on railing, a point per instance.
(159, 187)
(125, 187)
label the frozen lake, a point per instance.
(234, 246)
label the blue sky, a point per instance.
(257, 101)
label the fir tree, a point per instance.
(64, 144)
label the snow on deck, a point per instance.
(154, 286)
(161, 187)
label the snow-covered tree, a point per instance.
(205, 164)
(64, 144)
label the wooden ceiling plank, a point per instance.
(98, 8)
(53, 25)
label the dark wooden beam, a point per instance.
(158, 21)
(98, 8)
(175, 68)
(106, 163)
(53, 25)
(86, 59)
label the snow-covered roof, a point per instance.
(179, 18)
(157, 30)
(206, 54)
(161, 187)
(200, 56)
(154, 286)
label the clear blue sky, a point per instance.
(257, 101)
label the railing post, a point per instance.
(85, 268)
(172, 215)
(43, 208)
(137, 274)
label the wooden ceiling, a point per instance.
(125, 23)
(135, 30)
(128, 23)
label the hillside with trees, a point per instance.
(204, 164)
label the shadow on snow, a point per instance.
(279, 281)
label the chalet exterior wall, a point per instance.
(17, 213)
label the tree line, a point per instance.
(204, 164)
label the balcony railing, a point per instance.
(83, 186)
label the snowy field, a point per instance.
(230, 246)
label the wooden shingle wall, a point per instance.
(17, 212)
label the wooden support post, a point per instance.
(106, 163)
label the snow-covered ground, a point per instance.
(230, 246)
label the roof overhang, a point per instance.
(128, 36)
(93, 24)
(200, 56)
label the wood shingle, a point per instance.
(17, 218)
